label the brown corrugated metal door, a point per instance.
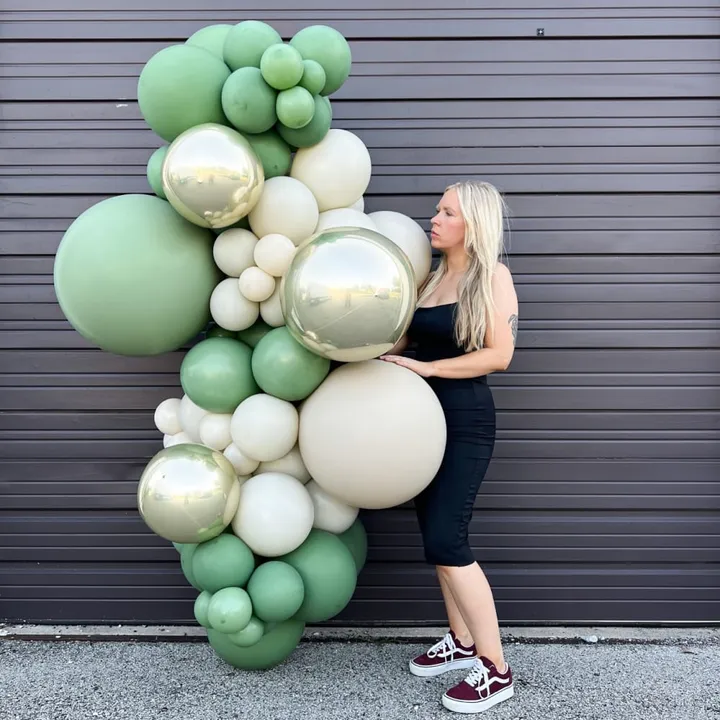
(599, 123)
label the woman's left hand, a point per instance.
(424, 369)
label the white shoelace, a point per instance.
(479, 678)
(445, 648)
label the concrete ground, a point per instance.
(171, 674)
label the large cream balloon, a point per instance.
(230, 309)
(233, 251)
(331, 514)
(275, 514)
(337, 169)
(373, 434)
(344, 217)
(264, 427)
(409, 236)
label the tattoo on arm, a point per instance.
(513, 322)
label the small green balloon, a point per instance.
(250, 635)
(295, 107)
(225, 561)
(216, 374)
(154, 171)
(186, 556)
(284, 368)
(314, 78)
(330, 49)
(274, 647)
(276, 590)
(200, 608)
(314, 131)
(229, 610)
(247, 41)
(218, 331)
(211, 38)
(255, 333)
(281, 66)
(248, 101)
(355, 539)
(274, 153)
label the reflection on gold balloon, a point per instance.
(212, 176)
(188, 493)
(349, 294)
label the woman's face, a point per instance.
(448, 226)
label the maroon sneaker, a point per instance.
(484, 687)
(445, 655)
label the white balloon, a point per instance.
(233, 251)
(256, 285)
(359, 204)
(191, 416)
(215, 430)
(271, 309)
(181, 438)
(337, 169)
(166, 416)
(409, 236)
(264, 427)
(242, 463)
(230, 309)
(275, 514)
(344, 217)
(287, 207)
(290, 464)
(274, 253)
(331, 514)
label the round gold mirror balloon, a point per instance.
(349, 294)
(188, 493)
(212, 176)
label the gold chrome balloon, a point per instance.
(188, 493)
(212, 176)
(349, 294)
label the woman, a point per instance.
(464, 328)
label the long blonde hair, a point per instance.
(483, 210)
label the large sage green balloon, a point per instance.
(274, 153)
(224, 561)
(211, 38)
(355, 539)
(180, 87)
(286, 369)
(281, 66)
(275, 647)
(229, 610)
(248, 101)
(328, 572)
(247, 41)
(154, 171)
(314, 131)
(330, 49)
(135, 278)
(276, 590)
(216, 374)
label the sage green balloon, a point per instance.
(355, 539)
(330, 49)
(154, 171)
(211, 38)
(281, 66)
(328, 572)
(224, 561)
(186, 556)
(248, 101)
(273, 649)
(250, 635)
(229, 610)
(276, 590)
(254, 333)
(247, 41)
(284, 368)
(274, 153)
(217, 331)
(314, 78)
(200, 608)
(216, 374)
(295, 107)
(135, 278)
(314, 131)
(180, 87)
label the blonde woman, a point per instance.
(464, 328)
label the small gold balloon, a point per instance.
(349, 294)
(212, 176)
(188, 493)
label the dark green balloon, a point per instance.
(216, 374)
(186, 556)
(274, 153)
(211, 38)
(275, 647)
(330, 49)
(314, 78)
(154, 171)
(284, 368)
(224, 561)
(314, 131)
(355, 539)
(254, 333)
(248, 101)
(276, 590)
(246, 43)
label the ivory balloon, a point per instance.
(271, 310)
(344, 217)
(166, 416)
(190, 416)
(179, 438)
(242, 463)
(215, 431)
(273, 254)
(230, 309)
(290, 464)
(256, 285)
(264, 427)
(233, 251)
(331, 514)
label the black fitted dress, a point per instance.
(444, 508)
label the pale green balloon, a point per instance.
(200, 608)
(230, 610)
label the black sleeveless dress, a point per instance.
(444, 508)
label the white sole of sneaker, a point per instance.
(477, 706)
(423, 671)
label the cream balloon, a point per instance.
(190, 416)
(344, 217)
(337, 169)
(242, 463)
(275, 514)
(166, 416)
(274, 253)
(181, 438)
(233, 251)
(373, 434)
(359, 204)
(214, 431)
(271, 309)
(256, 285)
(264, 427)
(230, 309)
(290, 464)
(331, 514)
